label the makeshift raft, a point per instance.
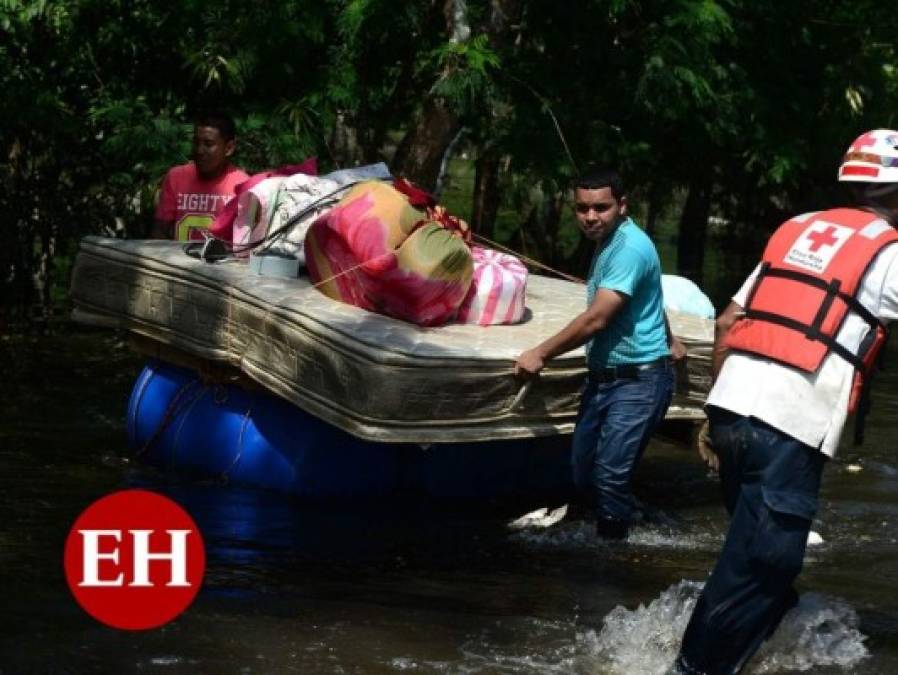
(376, 377)
(179, 421)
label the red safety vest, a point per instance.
(807, 284)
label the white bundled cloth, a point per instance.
(269, 206)
(682, 295)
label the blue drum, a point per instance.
(178, 422)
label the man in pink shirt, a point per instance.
(193, 193)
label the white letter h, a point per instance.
(177, 556)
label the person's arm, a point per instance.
(722, 326)
(596, 317)
(719, 352)
(733, 312)
(677, 348)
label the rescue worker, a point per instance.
(792, 354)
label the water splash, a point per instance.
(644, 640)
(819, 632)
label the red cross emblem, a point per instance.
(821, 239)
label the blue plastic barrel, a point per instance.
(178, 422)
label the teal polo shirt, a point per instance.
(628, 263)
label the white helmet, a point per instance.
(872, 158)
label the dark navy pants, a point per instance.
(615, 422)
(770, 483)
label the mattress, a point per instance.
(376, 377)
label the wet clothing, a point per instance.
(615, 423)
(631, 380)
(773, 427)
(770, 483)
(192, 202)
(628, 263)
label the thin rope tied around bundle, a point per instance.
(490, 243)
(530, 261)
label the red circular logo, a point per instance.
(134, 559)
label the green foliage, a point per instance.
(267, 142)
(755, 99)
(466, 71)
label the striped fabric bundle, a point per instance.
(498, 291)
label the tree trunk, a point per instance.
(44, 272)
(505, 22)
(375, 140)
(424, 145)
(485, 206)
(373, 137)
(652, 212)
(443, 173)
(344, 143)
(421, 150)
(541, 228)
(21, 274)
(551, 211)
(693, 225)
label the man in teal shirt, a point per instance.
(630, 380)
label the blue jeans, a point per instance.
(770, 483)
(615, 422)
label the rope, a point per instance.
(271, 236)
(351, 269)
(491, 243)
(226, 474)
(529, 261)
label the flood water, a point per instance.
(409, 587)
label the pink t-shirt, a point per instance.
(192, 202)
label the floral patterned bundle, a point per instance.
(377, 251)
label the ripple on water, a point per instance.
(580, 535)
(820, 631)
(522, 646)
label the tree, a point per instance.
(726, 108)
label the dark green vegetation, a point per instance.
(738, 110)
